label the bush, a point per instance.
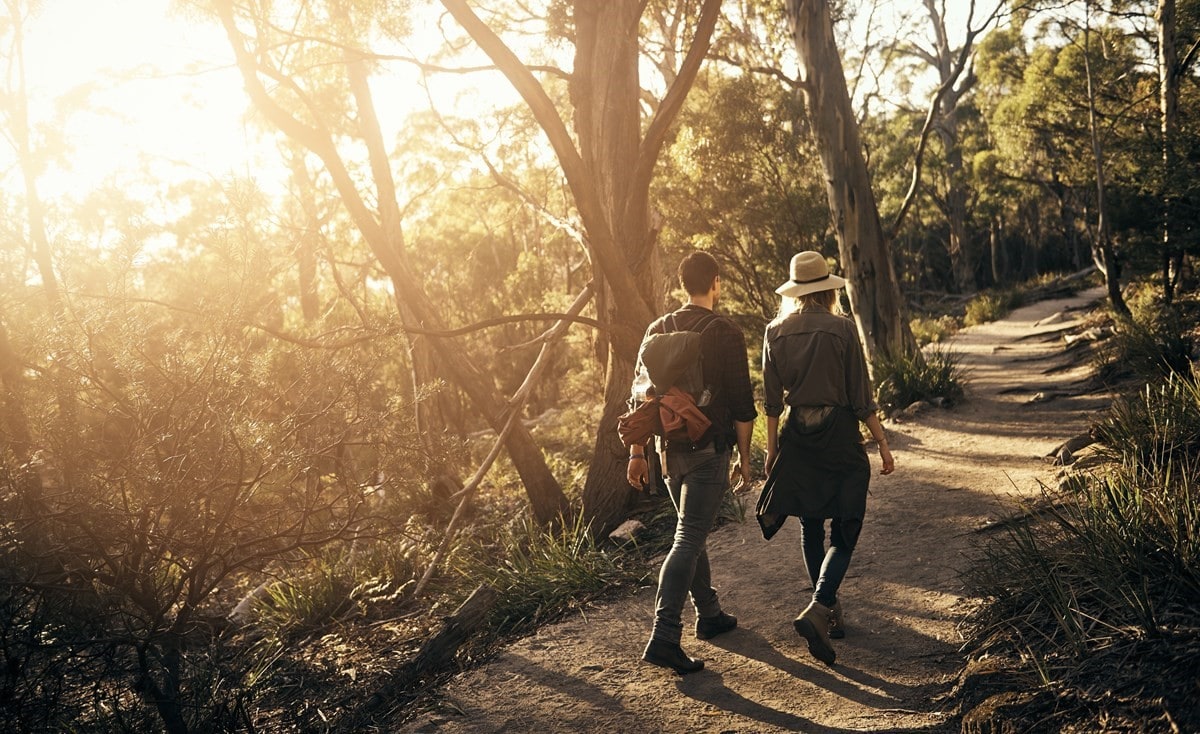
(991, 306)
(1157, 427)
(902, 381)
(1150, 345)
(929, 330)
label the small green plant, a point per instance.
(339, 584)
(991, 305)
(903, 380)
(930, 330)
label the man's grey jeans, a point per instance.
(697, 481)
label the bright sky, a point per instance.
(166, 92)
(169, 97)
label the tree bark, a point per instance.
(873, 289)
(609, 174)
(1107, 260)
(1168, 87)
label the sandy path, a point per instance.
(957, 470)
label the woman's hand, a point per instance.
(772, 456)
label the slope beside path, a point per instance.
(958, 471)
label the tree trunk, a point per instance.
(1105, 250)
(609, 174)
(873, 288)
(1168, 81)
(605, 90)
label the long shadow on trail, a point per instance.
(847, 682)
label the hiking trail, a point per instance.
(958, 471)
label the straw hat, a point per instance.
(810, 273)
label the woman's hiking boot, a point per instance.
(813, 626)
(709, 627)
(668, 655)
(837, 624)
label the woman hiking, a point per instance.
(817, 469)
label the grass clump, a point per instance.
(991, 305)
(1158, 427)
(1152, 344)
(543, 573)
(1097, 590)
(934, 375)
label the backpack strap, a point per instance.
(674, 326)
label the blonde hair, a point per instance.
(827, 299)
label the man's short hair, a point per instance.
(697, 272)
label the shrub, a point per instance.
(540, 573)
(901, 381)
(929, 330)
(991, 306)
(1156, 427)
(1150, 345)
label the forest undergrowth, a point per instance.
(1090, 616)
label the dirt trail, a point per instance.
(957, 470)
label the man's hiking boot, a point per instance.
(813, 626)
(709, 627)
(837, 624)
(667, 655)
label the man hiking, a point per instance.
(698, 471)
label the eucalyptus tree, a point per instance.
(306, 68)
(873, 287)
(1177, 33)
(620, 124)
(742, 181)
(954, 80)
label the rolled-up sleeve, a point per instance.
(772, 384)
(737, 374)
(858, 380)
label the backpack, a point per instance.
(668, 388)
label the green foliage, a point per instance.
(991, 305)
(741, 181)
(1154, 343)
(1159, 426)
(933, 330)
(903, 380)
(541, 573)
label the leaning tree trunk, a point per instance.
(383, 234)
(873, 288)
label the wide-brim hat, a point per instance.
(810, 273)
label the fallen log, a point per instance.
(439, 650)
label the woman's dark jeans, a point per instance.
(828, 568)
(697, 481)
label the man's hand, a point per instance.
(637, 472)
(889, 464)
